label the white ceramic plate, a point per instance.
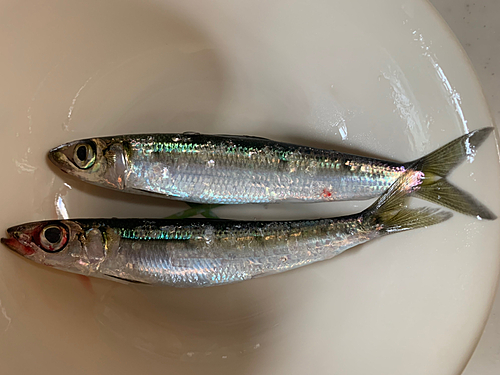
(383, 78)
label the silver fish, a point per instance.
(222, 169)
(202, 253)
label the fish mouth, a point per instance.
(59, 158)
(19, 241)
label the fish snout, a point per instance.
(19, 240)
(58, 156)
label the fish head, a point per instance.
(62, 244)
(100, 161)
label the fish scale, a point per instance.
(237, 251)
(214, 170)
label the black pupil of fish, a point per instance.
(81, 153)
(53, 235)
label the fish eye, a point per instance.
(53, 238)
(84, 155)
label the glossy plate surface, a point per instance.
(378, 78)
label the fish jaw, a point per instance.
(59, 158)
(18, 247)
(20, 240)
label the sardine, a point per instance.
(223, 169)
(207, 252)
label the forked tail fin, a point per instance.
(389, 215)
(438, 164)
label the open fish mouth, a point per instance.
(16, 241)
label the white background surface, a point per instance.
(77, 69)
(477, 27)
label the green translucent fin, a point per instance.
(409, 218)
(196, 209)
(390, 215)
(442, 161)
(444, 193)
(438, 164)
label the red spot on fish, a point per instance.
(326, 193)
(87, 284)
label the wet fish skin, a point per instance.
(201, 253)
(216, 169)
(236, 170)
(222, 169)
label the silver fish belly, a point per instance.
(251, 170)
(217, 253)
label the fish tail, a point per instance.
(389, 214)
(437, 165)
